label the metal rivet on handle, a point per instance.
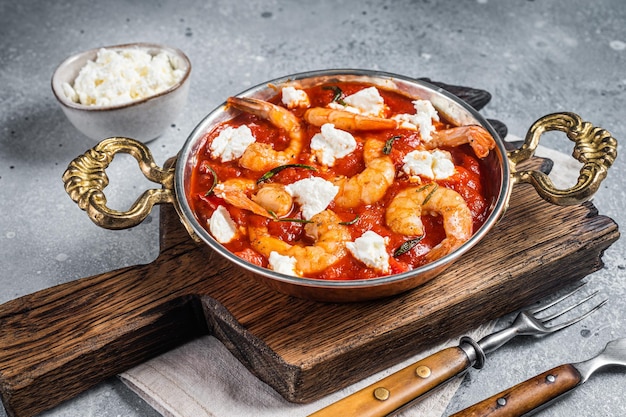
(550, 378)
(423, 371)
(381, 393)
(501, 401)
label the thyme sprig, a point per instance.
(430, 194)
(269, 174)
(351, 222)
(389, 144)
(215, 180)
(407, 246)
(337, 94)
(288, 219)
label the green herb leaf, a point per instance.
(389, 144)
(351, 222)
(430, 194)
(338, 94)
(215, 180)
(294, 220)
(271, 173)
(407, 246)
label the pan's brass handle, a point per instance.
(594, 147)
(85, 180)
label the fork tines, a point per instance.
(562, 312)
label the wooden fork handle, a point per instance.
(400, 388)
(526, 396)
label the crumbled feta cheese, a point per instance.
(222, 226)
(443, 167)
(283, 264)
(293, 98)
(371, 249)
(422, 120)
(118, 77)
(368, 102)
(231, 143)
(313, 194)
(432, 165)
(332, 144)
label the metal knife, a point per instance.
(541, 389)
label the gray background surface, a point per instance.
(535, 57)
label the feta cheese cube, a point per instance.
(313, 194)
(222, 226)
(371, 249)
(283, 264)
(293, 98)
(332, 144)
(422, 120)
(231, 143)
(432, 165)
(443, 167)
(367, 102)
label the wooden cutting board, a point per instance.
(63, 340)
(60, 341)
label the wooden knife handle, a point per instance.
(526, 396)
(400, 388)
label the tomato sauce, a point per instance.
(467, 181)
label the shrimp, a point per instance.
(271, 200)
(261, 156)
(403, 216)
(275, 198)
(371, 184)
(330, 239)
(346, 120)
(477, 136)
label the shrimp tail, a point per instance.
(478, 138)
(234, 193)
(278, 116)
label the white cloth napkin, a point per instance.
(203, 379)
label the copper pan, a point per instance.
(85, 180)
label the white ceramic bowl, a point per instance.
(144, 119)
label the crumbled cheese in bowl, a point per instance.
(122, 76)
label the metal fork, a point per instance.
(528, 323)
(402, 388)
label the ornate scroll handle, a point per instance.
(594, 147)
(85, 180)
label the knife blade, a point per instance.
(540, 390)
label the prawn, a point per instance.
(330, 239)
(371, 184)
(404, 213)
(477, 136)
(345, 120)
(271, 200)
(261, 156)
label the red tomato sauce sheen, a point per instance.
(466, 181)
